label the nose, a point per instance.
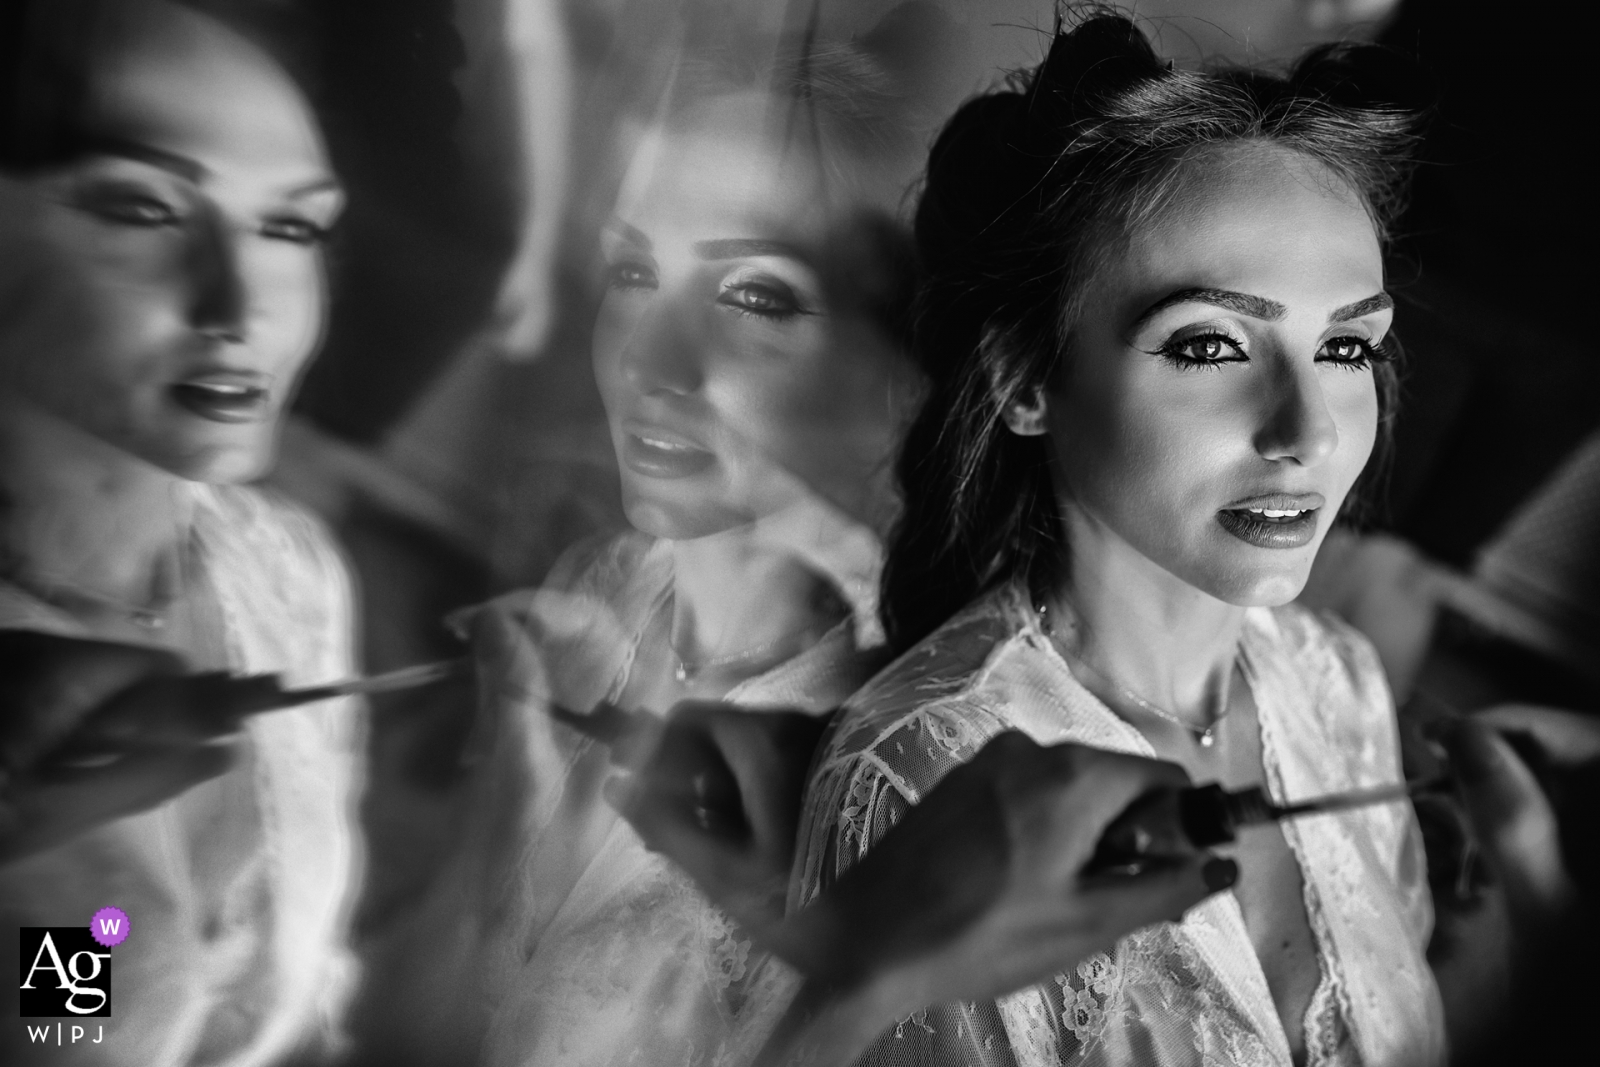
(221, 299)
(1296, 425)
(664, 352)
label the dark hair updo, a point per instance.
(1025, 189)
(50, 49)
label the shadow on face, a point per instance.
(1218, 399)
(164, 288)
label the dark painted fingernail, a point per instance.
(1220, 873)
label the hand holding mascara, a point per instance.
(96, 730)
(1207, 815)
(977, 891)
(715, 787)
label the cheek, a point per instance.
(768, 386)
(1352, 400)
(613, 326)
(290, 292)
(1124, 436)
(95, 290)
(86, 319)
(1148, 467)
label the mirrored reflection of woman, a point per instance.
(1156, 330)
(164, 193)
(747, 357)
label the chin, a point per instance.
(217, 463)
(1257, 586)
(674, 519)
(1277, 590)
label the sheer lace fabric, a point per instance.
(600, 951)
(1187, 993)
(238, 890)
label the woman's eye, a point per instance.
(132, 209)
(629, 275)
(1352, 351)
(296, 231)
(759, 298)
(1203, 350)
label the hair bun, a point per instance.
(1096, 62)
(1363, 77)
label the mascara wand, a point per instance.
(1208, 815)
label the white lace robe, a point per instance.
(1190, 993)
(238, 892)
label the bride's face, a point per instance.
(736, 377)
(1218, 401)
(163, 291)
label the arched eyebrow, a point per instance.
(123, 148)
(1376, 302)
(736, 247)
(1256, 307)
(631, 234)
(328, 186)
(193, 171)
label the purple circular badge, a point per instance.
(109, 926)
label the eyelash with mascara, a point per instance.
(628, 275)
(786, 305)
(296, 231)
(1371, 352)
(1172, 351)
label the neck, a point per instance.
(735, 592)
(1143, 628)
(74, 509)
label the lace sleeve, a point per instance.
(872, 808)
(869, 793)
(873, 767)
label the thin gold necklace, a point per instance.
(683, 669)
(1205, 735)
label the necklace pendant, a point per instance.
(1207, 738)
(150, 620)
(681, 672)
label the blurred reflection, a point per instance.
(748, 355)
(752, 385)
(165, 195)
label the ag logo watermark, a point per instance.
(66, 973)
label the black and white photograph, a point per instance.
(798, 533)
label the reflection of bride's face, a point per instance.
(167, 286)
(729, 382)
(1219, 402)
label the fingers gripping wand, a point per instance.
(1209, 815)
(1204, 815)
(714, 796)
(388, 682)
